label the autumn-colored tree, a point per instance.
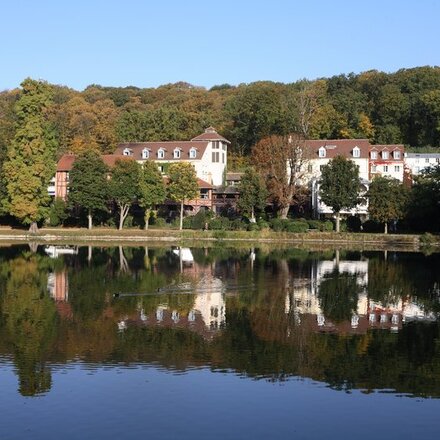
(340, 185)
(182, 185)
(124, 186)
(30, 162)
(152, 190)
(283, 163)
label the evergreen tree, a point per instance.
(253, 193)
(151, 189)
(182, 185)
(387, 200)
(30, 162)
(124, 186)
(88, 186)
(340, 185)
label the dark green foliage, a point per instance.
(253, 193)
(58, 212)
(353, 224)
(88, 185)
(296, 226)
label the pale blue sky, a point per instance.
(149, 43)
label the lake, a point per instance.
(218, 343)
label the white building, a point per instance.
(207, 153)
(418, 162)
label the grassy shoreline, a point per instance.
(140, 237)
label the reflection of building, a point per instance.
(58, 288)
(305, 305)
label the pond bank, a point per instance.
(135, 236)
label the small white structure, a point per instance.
(418, 162)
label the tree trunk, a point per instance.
(252, 219)
(33, 228)
(338, 218)
(385, 228)
(147, 218)
(89, 216)
(181, 215)
(284, 211)
(122, 215)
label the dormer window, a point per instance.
(356, 152)
(396, 154)
(160, 153)
(176, 153)
(385, 155)
(127, 152)
(192, 153)
(322, 152)
(145, 153)
(373, 155)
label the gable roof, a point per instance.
(66, 161)
(339, 147)
(168, 148)
(210, 135)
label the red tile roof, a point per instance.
(168, 147)
(67, 160)
(210, 135)
(339, 147)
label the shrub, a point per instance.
(278, 224)
(237, 225)
(253, 227)
(315, 224)
(160, 222)
(219, 223)
(427, 239)
(297, 226)
(263, 224)
(327, 226)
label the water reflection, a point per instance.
(352, 320)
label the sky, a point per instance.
(150, 43)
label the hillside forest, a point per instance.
(400, 107)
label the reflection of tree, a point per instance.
(338, 295)
(30, 322)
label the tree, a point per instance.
(88, 186)
(387, 199)
(182, 185)
(253, 193)
(124, 186)
(151, 189)
(340, 185)
(30, 162)
(283, 161)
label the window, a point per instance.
(127, 152)
(176, 153)
(192, 153)
(417, 160)
(437, 160)
(310, 169)
(160, 167)
(321, 167)
(160, 153)
(223, 157)
(322, 152)
(397, 169)
(223, 146)
(145, 153)
(215, 156)
(373, 155)
(396, 154)
(356, 152)
(385, 154)
(427, 160)
(385, 168)
(373, 168)
(215, 145)
(416, 169)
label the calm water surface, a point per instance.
(218, 343)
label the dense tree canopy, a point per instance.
(340, 185)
